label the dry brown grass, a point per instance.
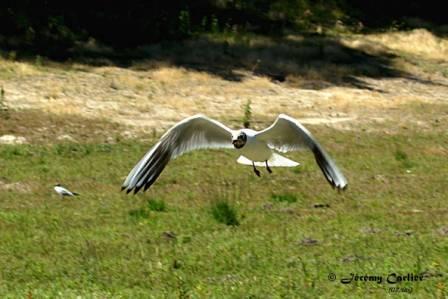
(417, 52)
(152, 94)
(417, 42)
(10, 69)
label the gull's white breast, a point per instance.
(257, 151)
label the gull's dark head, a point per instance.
(239, 140)
(57, 185)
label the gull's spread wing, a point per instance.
(192, 133)
(287, 134)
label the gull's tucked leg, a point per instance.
(257, 172)
(267, 167)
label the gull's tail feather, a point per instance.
(75, 194)
(275, 160)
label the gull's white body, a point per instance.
(254, 149)
(256, 152)
(64, 192)
(257, 148)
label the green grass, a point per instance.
(157, 205)
(106, 244)
(403, 158)
(223, 212)
(289, 198)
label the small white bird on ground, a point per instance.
(63, 191)
(256, 148)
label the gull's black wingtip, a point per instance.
(342, 189)
(137, 189)
(132, 189)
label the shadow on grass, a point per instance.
(302, 61)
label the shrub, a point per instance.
(403, 158)
(223, 212)
(156, 205)
(247, 114)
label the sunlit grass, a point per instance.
(166, 242)
(289, 198)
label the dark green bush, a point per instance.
(223, 212)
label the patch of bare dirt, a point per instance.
(15, 187)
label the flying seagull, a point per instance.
(63, 191)
(256, 148)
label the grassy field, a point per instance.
(291, 230)
(209, 228)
